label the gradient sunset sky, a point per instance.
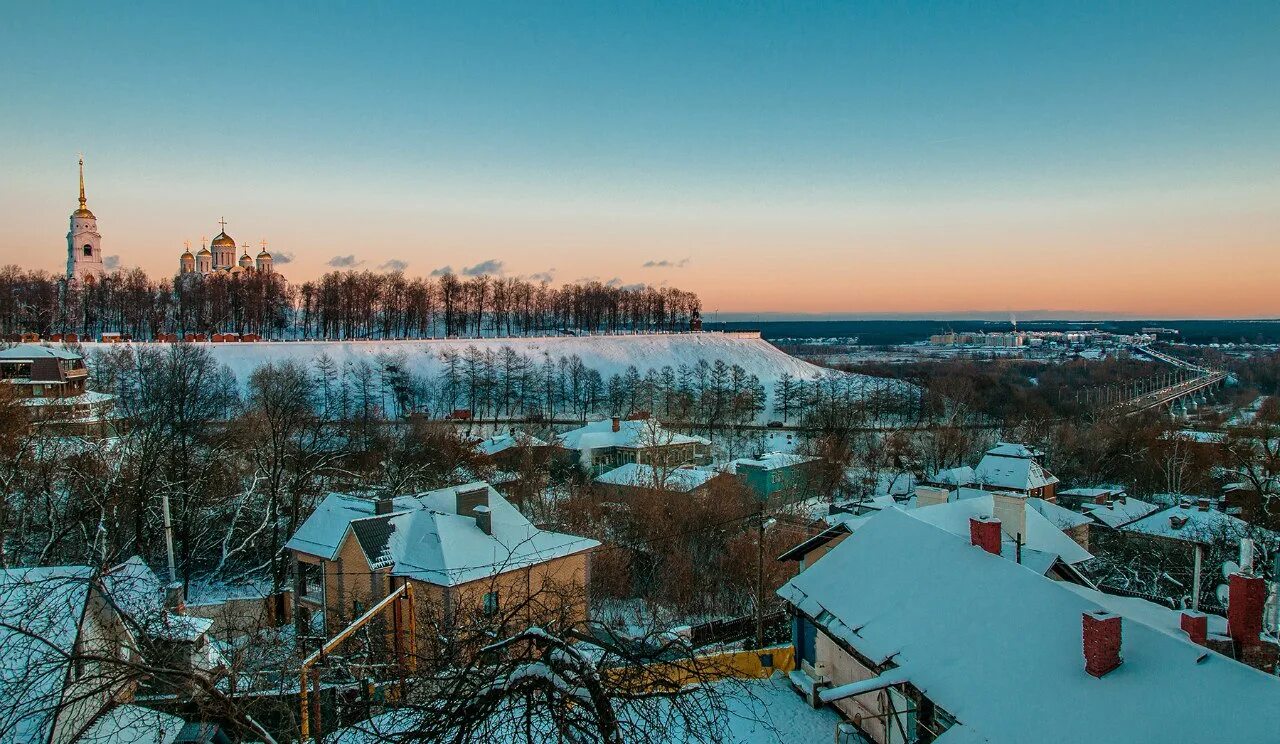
(844, 158)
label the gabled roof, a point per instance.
(1012, 466)
(999, 647)
(961, 476)
(426, 539)
(680, 480)
(636, 434)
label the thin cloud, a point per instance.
(543, 276)
(662, 263)
(394, 264)
(442, 271)
(344, 262)
(111, 262)
(492, 266)
(282, 257)
(617, 283)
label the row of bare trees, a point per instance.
(339, 305)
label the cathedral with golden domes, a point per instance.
(219, 257)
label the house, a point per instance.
(1004, 467)
(1077, 498)
(607, 444)
(465, 551)
(916, 634)
(52, 619)
(51, 381)
(505, 450)
(632, 479)
(1015, 467)
(778, 477)
(173, 639)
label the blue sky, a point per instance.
(866, 144)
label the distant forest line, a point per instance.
(339, 305)
(888, 332)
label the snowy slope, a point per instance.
(607, 354)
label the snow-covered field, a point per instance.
(608, 355)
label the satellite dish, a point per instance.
(1228, 568)
(1222, 593)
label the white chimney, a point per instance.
(928, 496)
(1011, 510)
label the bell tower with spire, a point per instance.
(84, 244)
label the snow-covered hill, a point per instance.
(608, 355)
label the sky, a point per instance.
(835, 159)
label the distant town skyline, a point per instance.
(818, 160)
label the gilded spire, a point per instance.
(82, 201)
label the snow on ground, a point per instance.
(758, 712)
(609, 355)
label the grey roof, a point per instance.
(37, 351)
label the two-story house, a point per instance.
(466, 551)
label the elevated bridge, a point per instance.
(1184, 381)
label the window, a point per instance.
(88, 250)
(490, 603)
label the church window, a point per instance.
(88, 250)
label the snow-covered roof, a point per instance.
(1121, 512)
(961, 476)
(1012, 466)
(636, 434)
(133, 724)
(36, 351)
(1061, 517)
(425, 538)
(40, 612)
(765, 711)
(137, 592)
(87, 398)
(1014, 449)
(999, 647)
(770, 461)
(1193, 525)
(1094, 492)
(503, 442)
(1155, 615)
(1043, 535)
(682, 480)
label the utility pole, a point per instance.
(760, 577)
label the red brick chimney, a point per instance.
(1196, 626)
(617, 423)
(1101, 642)
(985, 533)
(1245, 599)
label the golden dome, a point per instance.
(264, 254)
(186, 254)
(205, 252)
(222, 239)
(83, 212)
